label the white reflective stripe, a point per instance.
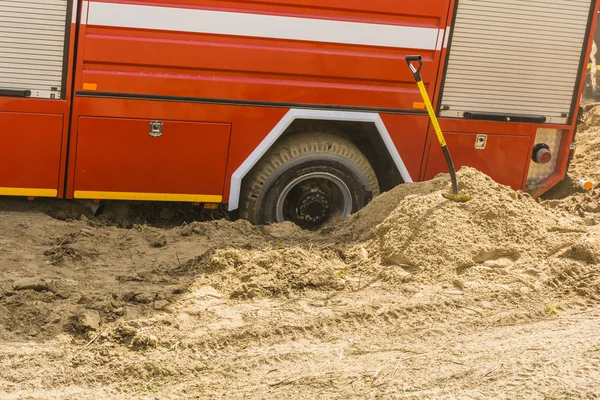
(286, 121)
(447, 38)
(260, 25)
(440, 40)
(74, 15)
(84, 12)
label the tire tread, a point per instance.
(296, 146)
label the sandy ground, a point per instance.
(412, 298)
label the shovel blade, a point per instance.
(458, 198)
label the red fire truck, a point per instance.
(283, 109)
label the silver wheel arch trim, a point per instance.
(284, 124)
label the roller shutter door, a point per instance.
(32, 40)
(515, 57)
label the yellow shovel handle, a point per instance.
(434, 120)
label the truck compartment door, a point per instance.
(139, 159)
(515, 59)
(30, 154)
(503, 156)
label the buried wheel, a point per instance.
(308, 179)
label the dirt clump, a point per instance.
(36, 284)
(269, 272)
(158, 241)
(86, 321)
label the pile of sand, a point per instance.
(586, 163)
(431, 239)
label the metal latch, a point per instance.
(156, 128)
(481, 142)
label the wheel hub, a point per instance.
(313, 206)
(311, 199)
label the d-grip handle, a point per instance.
(410, 60)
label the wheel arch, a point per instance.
(284, 126)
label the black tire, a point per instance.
(302, 156)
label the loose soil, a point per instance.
(414, 297)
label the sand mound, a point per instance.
(592, 117)
(361, 226)
(244, 273)
(586, 163)
(437, 239)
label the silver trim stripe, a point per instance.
(263, 26)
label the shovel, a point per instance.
(454, 196)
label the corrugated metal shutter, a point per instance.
(32, 39)
(515, 57)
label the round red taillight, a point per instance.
(542, 154)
